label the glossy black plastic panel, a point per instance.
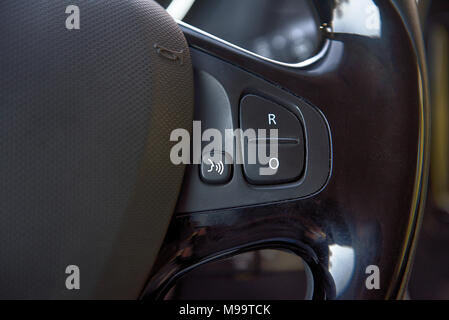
(372, 90)
(219, 90)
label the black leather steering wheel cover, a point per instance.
(86, 116)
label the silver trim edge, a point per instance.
(301, 64)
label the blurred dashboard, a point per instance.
(287, 31)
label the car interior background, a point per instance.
(108, 189)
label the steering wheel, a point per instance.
(92, 96)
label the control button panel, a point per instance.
(216, 168)
(266, 166)
(228, 97)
